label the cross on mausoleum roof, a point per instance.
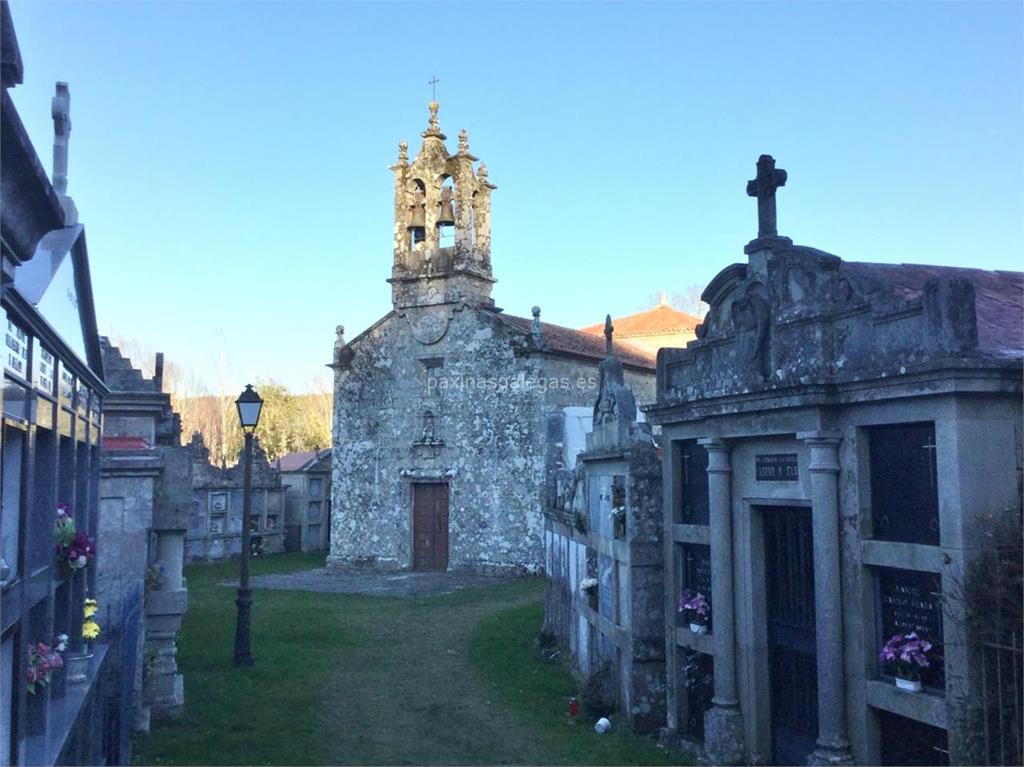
(763, 188)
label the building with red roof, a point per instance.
(660, 326)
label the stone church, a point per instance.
(448, 412)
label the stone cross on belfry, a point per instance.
(763, 188)
(608, 330)
(432, 82)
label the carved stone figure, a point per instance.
(605, 409)
(750, 316)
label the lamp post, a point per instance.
(249, 405)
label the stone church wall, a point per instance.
(489, 445)
(448, 394)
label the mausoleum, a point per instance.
(215, 521)
(842, 464)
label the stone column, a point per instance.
(832, 745)
(171, 554)
(723, 725)
(164, 689)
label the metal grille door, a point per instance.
(792, 666)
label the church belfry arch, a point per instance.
(442, 223)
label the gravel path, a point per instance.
(405, 584)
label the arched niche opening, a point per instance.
(417, 221)
(446, 213)
(471, 234)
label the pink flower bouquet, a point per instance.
(72, 547)
(695, 606)
(43, 660)
(906, 655)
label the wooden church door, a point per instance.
(430, 526)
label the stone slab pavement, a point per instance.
(402, 584)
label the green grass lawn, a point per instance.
(354, 679)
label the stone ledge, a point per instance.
(704, 643)
(905, 556)
(63, 714)
(920, 706)
(167, 602)
(699, 534)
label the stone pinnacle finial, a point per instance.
(339, 343)
(463, 142)
(60, 109)
(608, 330)
(663, 299)
(536, 330)
(403, 152)
(433, 126)
(481, 172)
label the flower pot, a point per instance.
(77, 668)
(910, 685)
(698, 628)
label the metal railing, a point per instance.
(1002, 663)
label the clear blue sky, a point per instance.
(230, 160)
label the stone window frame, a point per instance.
(866, 433)
(874, 573)
(679, 492)
(310, 520)
(319, 484)
(220, 517)
(11, 545)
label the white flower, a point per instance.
(81, 562)
(587, 584)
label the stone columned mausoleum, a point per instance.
(842, 464)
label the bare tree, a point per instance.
(686, 301)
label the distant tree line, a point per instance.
(289, 422)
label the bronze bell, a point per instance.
(447, 215)
(418, 224)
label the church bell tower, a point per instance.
(442, 224)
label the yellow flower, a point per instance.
(90, 629)
(90, 608)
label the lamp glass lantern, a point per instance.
(249, 405)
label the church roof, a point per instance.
(658, 320)
(998, 298)
(563, 340)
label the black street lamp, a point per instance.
(249, 405)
